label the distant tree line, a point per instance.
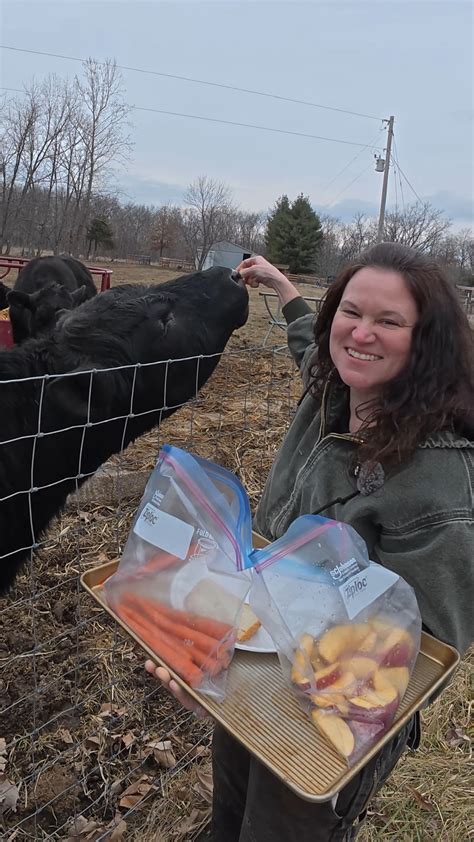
(60, 142)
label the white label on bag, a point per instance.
(165, 531)
(365, 587)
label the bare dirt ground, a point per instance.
(93, 748)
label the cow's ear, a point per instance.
(22, 299)
(79, 296)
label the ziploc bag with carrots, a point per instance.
(347, 630)
(181, 581)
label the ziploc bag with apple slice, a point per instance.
(347, 630)
(181, 581)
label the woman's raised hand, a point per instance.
(257, 270)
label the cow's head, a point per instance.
(175, 331)
(35, 314)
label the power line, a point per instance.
(234, 123)
(198, 82)
(367, 146)
(395, 164)
(250, 126)
(406, 179)
(362, 172)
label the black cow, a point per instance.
(56, 431)
(43, 288)
(4, 290)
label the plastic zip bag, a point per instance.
(182, 578)
(347, 630)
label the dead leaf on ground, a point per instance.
(65, 735)
(9, 795)
(163, 753)
(200, 751)
(128, 738)
(136, 792)
(109, 709)
(81, 828)
(92, 742)
(89, 830)
(420, 799)
(204, 786)
(456, 736)
(118, 827)
(3, 751)
(194, 821)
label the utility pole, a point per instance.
(385, 179)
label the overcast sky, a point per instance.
(410, 59)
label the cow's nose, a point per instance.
(236, 276)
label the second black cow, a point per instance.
(45, 287)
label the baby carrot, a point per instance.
(203, 641)
(181, 663)
(214, 628)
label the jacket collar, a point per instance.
(335, 405)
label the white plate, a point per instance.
(183, 581)
(259, 642)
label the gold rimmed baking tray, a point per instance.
(261, 712)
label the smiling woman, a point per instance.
(396, 304)
(371, 335)
(388, 371)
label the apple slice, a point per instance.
(360, 667)
(332, 701)
(336, 730)
(300, 670)
(384, 688)
(367, 708)
(345, 681)
(382, 628)
(398, 677)
(378, 703)
(369, 644)
(342, 640)
(316, 661)
(397, 649)
(327, 676)
(306, 643)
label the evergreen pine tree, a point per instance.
(293, 234)
(278, 231)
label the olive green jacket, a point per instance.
(419, 524)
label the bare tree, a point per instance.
(30, 130)
(166, 224)
(205, 219)
(100, 122)
(249, 229)
(357, 236)
(419, 225)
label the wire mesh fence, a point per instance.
(87, 740)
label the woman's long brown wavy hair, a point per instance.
(435, 390)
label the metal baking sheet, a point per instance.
(261, 712)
